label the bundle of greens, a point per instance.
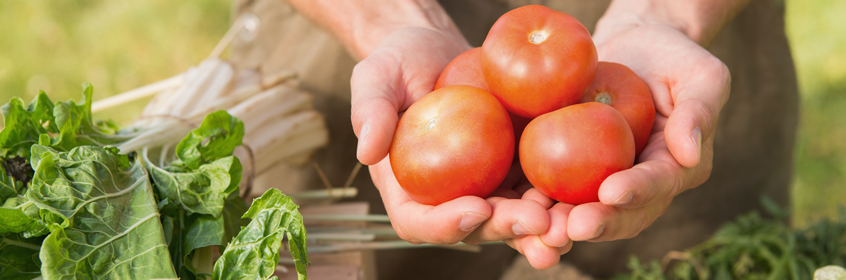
(72, 206)
(754, 247)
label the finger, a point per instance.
(557, 236)
(538, 254)
(375, 103)
(696, 112)
(535, 195)
(650, 182)
(511, 218)
(447, 223)
(598, 222)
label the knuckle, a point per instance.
(715, 68)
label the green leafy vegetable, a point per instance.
(17, 213)
(19, 257)
(195, 188)
(102, 216)
(754, 247)
(217, 137)
(112, 216)
(25, 124)
(200, 191)
(254, 253)
(77, 127)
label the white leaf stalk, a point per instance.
(281, 126)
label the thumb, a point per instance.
(375, 105)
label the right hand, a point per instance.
(401, 70)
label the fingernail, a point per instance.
(470, 221)
(365, 129)
(598, 232)
(563, 249)
(520, 229)
(624, 198)
(696, 137)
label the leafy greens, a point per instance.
(72, 206)
(257, 245)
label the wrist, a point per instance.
(623, 15)
(369, 28)
(701, 20)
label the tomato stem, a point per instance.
(604, 97)
(537, 37)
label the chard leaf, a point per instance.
(102, 216)
(19, 257)
(254, 253)
(234, 208)
(24, 124)
(217, 137)
(9, 187)
(195, 192)
(77, 127)
(17, 214)
(201, 191)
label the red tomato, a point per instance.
(567, 154)
(464, 69)
(536, 60)
(453, 142)
(620, 87)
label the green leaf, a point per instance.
(234, 208)
(9, 187)
(77, 126)
(24, 125)
(254, 253)
(17, 214)
(217, 137)
(102, 216)
(19, 257)
(200, 191)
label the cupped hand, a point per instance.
(689, 87)
(393, 76)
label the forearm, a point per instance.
(701, 20)
(362, 24)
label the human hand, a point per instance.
(400, 71)
(689, 88)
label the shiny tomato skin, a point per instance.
(536, 60)
(464, 69)
(617, 85)
(566, 154)
(455, 141)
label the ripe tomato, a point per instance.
(620, 87)
(464, 69)
(536, 60)
(453, 142)
(566, 154)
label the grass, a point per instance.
(817, 33)
(120, 45)
(115, 45)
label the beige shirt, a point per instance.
(753, 145)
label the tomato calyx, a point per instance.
(604, 97)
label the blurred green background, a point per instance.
(121, 45)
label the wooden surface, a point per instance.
(347, 265)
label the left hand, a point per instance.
(689, 87)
